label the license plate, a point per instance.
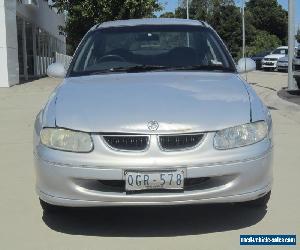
(153, 180)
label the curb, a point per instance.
(290, 95)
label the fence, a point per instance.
(63, 59)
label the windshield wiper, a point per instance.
(141, 68)
(144, 68)
(130, 69)
(138, 68)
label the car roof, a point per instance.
(283, 47)
(150, 21)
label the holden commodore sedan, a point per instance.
(152, 112)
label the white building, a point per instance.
(29, 38)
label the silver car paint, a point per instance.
(69, 179)
(180, 102)
(259, 111)
(71, 185)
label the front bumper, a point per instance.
(269, 64)
(282, 66)
(77, 186)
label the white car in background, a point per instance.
(283, 64)
(296, 66)
(270, 61)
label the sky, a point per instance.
(170, 5)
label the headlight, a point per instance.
(66, 140)
(240, 136)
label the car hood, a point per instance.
(178, 101)
(276, 56)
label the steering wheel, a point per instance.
(108, 58)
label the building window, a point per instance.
(36, 49)
(29, 50)
(20, 47)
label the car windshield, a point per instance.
(280, 52)
(147, 48)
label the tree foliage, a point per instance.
(222, 15)
(269, 16)
(167, 15)
(228, 26)
(210, 10)
(266, 22)
(263, 41)
(83, 14)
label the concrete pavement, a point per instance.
(218, 227)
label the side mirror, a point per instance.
(56, 70)
(246, 65)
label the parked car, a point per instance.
(283, 64)
(152, 112)
(258, 58)
(296, 67)
(269, 62)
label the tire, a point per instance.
(260, 202)
(49, 208)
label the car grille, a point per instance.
(179, 142)
(269, 63)
(296, 67)
(128, 142)
(270, 59)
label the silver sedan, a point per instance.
(152, 112)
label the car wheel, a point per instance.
(260, 202)
(49, 208)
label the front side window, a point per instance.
(163, 47)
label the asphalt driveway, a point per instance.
(24, 226)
